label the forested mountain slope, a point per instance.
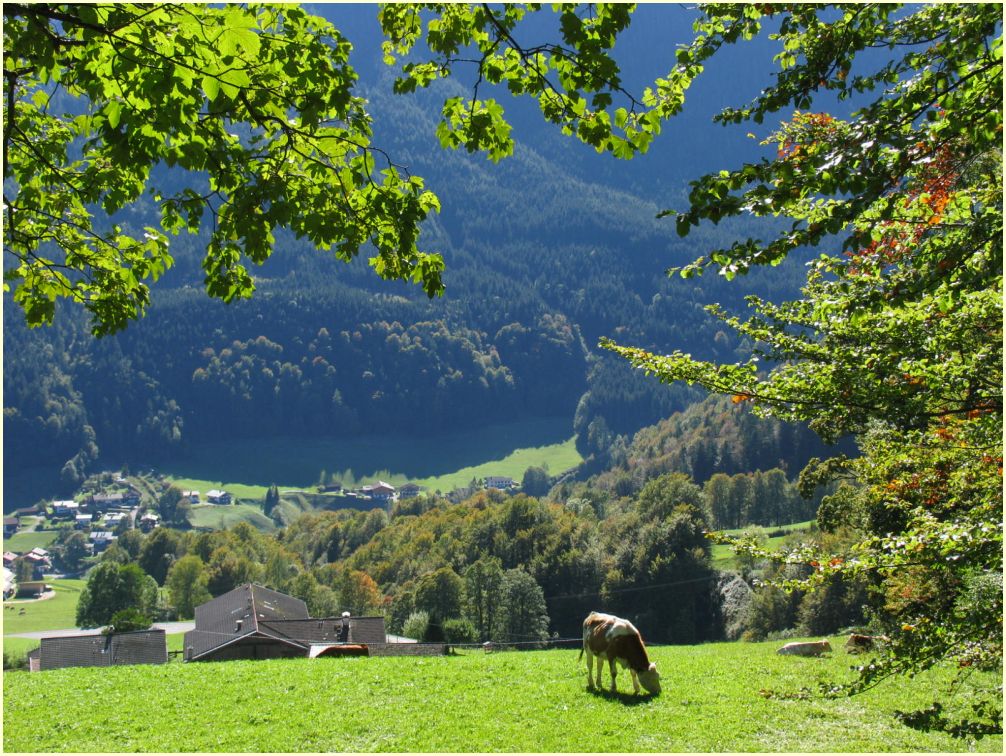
(541, 262)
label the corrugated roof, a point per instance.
(140, 647)
(252, 609)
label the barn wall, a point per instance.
(407, 649)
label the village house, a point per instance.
(103, 502)
(113, 519)
(410, 491)
(499, 481)
(82, 521)
(10, 526)
(65, 508)
(380, 491)
(192, 496)
(218, 497)
(101, 540)
(149, 521)
(139, 647)
(40, 561)
(32, 589)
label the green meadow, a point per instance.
(26, 540)
(246, 468)
(716, 697)
(56, 613)
(723, 556)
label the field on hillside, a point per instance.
(248, 467)
(26, 540)
(223, 516)
(723, 556)
(56, 613)
(717, 697)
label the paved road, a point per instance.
(168, 627)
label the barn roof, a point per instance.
(139, 647)
(252, 609)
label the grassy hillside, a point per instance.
(716, 698)
(26, 540)
(56, 613)
(221, 517)
(445, 462)
(723, 556)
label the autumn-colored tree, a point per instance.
(897, 337)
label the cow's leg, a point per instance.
(590, 669)
(635, 680)
(612, 667)
(600, 666)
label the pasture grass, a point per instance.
(556, 458)
(716, 698)
(26, 540)
(56, 613)
(223, 516)
(723, 556)
(19, 646)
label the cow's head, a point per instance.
(650, 679)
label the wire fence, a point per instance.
(515, 645)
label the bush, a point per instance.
(128, 620)
(416, 625)
(771, 610)
(14, 661)
(459, 630)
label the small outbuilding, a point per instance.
(139, 647)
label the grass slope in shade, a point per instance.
(298, 462)
(531, 701)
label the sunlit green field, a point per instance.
(56, 613)
(223, 516)
(26, 540)
(717, 697)
(723, 556)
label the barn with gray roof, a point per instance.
(139, 647)
(254, 622)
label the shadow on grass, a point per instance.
(626, 699)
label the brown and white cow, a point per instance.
(813, 648)
(617, 640)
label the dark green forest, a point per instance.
(542, 263)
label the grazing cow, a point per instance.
(814, 648)
(617, 640)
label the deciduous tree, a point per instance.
(898, 334)
(255, 105)
(112, 588)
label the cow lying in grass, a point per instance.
(617, 640)
(813, 648)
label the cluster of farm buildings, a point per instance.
(248, 622)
